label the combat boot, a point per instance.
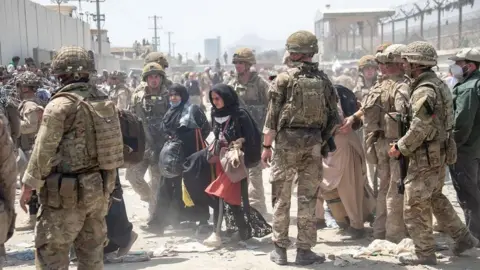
(465, 243)
(355, 234)
(28, 224)
(414, 259)
(307, 257)
(279, 255)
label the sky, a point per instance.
(191, 21)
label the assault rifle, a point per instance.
(402, 129)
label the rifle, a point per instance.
(402, 129)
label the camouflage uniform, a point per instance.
(150, 107)
(430, 146)
(119, 93)
(31, 117)
(301, 117)
(361, 90)
(254, 94)
(8, 177)
(394, 101)
(72, 165)
(159, 58)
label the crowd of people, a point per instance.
(372, 145)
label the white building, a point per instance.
(212, 49)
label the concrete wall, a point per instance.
(26, 26)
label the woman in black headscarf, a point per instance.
(230, 122)
(187, 123)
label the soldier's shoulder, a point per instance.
(283, 79)
(59, 105)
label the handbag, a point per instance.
(232, 160)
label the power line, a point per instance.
(99, 18)
(156, 38)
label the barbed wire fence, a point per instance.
(447, 24)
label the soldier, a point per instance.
(367, 66)
(388, 103)
(430, 147)
(73, 166)
(119, 92)
(301, 115)
(253, 91)
(150, 104)
(31, 117)
(380, 49)
(8, 177)
(159, 58)
(465, 172)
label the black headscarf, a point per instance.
(231, 103)
(173, 115)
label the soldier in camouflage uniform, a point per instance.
(119, 92)
(252, 89)
(159, 58)
(31, 117)
(73, 167)
(430, 147)
(387, 103)
(8, 177)
(301, 116)
(150, 104)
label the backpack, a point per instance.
(133, 137)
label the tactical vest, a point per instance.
(444, 117)
(254, 101)
(391, 115)
(376, 105)
(94, 138)
(305, 105)
(28, 140)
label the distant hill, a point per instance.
(256, 43)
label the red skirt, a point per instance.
(223, 188)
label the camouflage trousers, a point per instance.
(135, 175)
(383, 170)
(58, 229)
(288, 167)
(395, 230)
(256, 192)
(423, 195)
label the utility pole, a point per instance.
(99, 18)
(169, 33)
(156, 38)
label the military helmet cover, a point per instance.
(382, 47)
(422, 53)
(302, 42)
(392, 54)
(245, 55)
(152, 68)
(469, 54)
(367, 61)
(73, 60)
(30, 79)
(156, 57)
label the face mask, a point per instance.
(174, 104)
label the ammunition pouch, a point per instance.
(60, 191)
(391, 126)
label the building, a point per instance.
(212, 49)
(346, 34)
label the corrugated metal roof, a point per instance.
(330, 14)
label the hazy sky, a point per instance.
(194, 20)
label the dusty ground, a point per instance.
(254, 255)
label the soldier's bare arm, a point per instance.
(44, 153)
(277, 93)
(422, 101)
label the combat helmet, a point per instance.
(382, 47)
(156, 57)
(244, 55)
(392, 54)
(152, 68)
(29, 79)
(421, 53)
(302, 42)
(73, 60)
(367, 61)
